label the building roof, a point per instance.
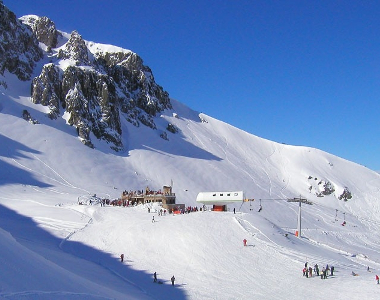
(220, 198)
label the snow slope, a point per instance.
(53, 248)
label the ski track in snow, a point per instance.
(194, 134)
(62, 181)
(296, 255)
(269, 243)
(266, 173)
(90, 221)
(284, 163)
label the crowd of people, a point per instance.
(308, 271)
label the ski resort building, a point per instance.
(219, 200)
(165, 197)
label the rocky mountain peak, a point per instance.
(44, 29)
(96, 86)
(75, 49)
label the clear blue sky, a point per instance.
(295, 72)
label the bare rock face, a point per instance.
(90, 99)
(44, 29)
(19, 49)
(46, 89)
(75, 49)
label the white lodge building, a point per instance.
(219, 200)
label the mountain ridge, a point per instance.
(170, 130)
(95, 89)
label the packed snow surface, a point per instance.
(51, 247)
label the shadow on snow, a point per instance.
(69, 254)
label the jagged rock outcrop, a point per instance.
(75, 49)
(91, 100)
(47, 89)
(19, 49)
(346, 195)
(143, 97)
(44, 29)
(94, 87)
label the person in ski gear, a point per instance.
(316, 269)
(245, 242)
(155, 277)
(377, 279)
(172, 279)
(332, 271)
(310, 272)
(153, 219)
(122, 257)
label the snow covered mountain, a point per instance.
(59, 92)
(94, 85)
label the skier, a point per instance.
(377, 279)
(172, 279)
(153, 220)
(245, 242)
(332, 271)
(316, 269)
(155, 277)
(122, 257)
(310, 272)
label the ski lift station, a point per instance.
(219, 200)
